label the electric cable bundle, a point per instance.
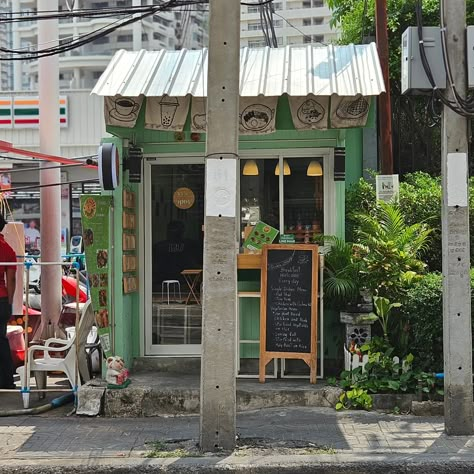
(461, 106)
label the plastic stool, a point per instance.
(174, 284)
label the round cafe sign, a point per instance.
(183, 198)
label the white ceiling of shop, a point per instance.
(294, 70)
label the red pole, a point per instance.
(385, 109)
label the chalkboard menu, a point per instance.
(288, 317)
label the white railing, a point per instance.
(353, 361)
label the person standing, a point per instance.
(7, 291)
(32, 236)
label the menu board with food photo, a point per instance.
(262, 234)
(95, 223)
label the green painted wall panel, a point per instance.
(354, 154)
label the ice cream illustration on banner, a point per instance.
(168, 106)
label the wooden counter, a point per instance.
(248, 261)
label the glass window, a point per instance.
(259, 193)
(304, 198)
(303, 191)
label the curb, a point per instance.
(334, 464)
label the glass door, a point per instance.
(173, 259)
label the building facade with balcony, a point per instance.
(81, 67)
(294, 21)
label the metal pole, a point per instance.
(385, 108)
(48, 33)
(457, 335)
(218, 386)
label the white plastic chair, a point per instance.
(40, 367)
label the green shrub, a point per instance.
(420, 202)
(424, 312)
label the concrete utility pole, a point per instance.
(17, 65)
(218, 397)
(385, 107)
(48, 36)
(457, 339)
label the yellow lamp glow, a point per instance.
(315, 169)
(250, 168)
(286, 169)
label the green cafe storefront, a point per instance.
(303, 111)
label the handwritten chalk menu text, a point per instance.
(289, 304)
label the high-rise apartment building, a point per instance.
(294, 22)
(81, 67)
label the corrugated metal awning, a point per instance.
(294, 70)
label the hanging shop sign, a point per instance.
(257, 115)
(122, 111)
(109, 165)
(23, 112)
(95, 224)
(349, 112)
(166, 113)
(184, 198)
(309, 113)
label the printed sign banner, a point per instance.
(95, 224)
(198, 115)
(387, 187)
(166, 113)
(262, 234)
(348, 112)
(257, 115)
(122, 111)
(310, 112)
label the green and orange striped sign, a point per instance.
(5, 112)
(23, 112)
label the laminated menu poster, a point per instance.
(262, 234)
(95, 224)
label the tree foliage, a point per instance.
(416, 142)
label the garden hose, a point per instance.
(55, 403)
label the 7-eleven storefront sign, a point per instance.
(23, 112)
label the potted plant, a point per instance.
(345, 290)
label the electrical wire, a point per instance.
(298, 30)
(459, 105)
(129, 15)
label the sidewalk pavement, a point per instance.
(366, 441)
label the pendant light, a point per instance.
(250, 168)
(286, 169)
(314, 169)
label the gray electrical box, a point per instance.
(470, 57)
(414, 78)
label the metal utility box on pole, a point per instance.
(385, 108)
(218, 377)
(457, 337)
(48, 69)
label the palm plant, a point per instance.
(342, 283)
(390, 250)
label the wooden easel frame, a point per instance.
(309, 358)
